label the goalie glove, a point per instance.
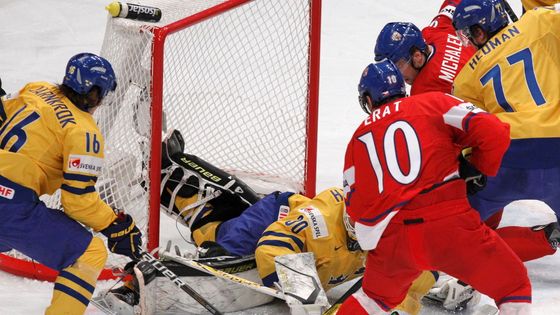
(123, 237)
(475, 180)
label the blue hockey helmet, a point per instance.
(396, 41)
(490, 15)
(380, 81)
(86, 70)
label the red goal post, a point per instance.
(238, 78)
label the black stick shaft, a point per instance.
(510, 12)
(179, 283)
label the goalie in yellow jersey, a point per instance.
(49, 141)
(514, 75)
(227, 218)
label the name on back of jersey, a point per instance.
(499, 39)
(382, 112)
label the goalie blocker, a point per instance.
(192, 189)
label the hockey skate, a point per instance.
(453, 294)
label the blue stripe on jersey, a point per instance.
(435, 274)
(515, 299)
(2, 113)
(12, 118)
(71, 292)
(276, 243)
(80, 178)
(385, 213)
(77, 280)
(296, 240)
(78, 191)
(532, 153)
(270, 279)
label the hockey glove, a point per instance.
(475, 180)
(123, 237)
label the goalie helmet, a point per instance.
(490, 15)
(85, 71)
(379, 82)
(351, 241)
(396, 40)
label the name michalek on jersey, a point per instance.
(494, 42)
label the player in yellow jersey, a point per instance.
(531, 4)
(49, 141)
(514, 76)
(237, 222)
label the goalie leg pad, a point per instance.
(240, 235)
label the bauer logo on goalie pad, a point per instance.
(85, 164)
(6, 192)
(318, 224)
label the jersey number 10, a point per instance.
(390, 154)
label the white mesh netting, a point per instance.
(235, 85)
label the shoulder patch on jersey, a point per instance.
(283, 212)
(318, 224)
(6, 192)
(85, 164)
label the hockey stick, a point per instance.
(336, 305)
(224, 275)
(510, 12)
(147, 257)
(102, 307)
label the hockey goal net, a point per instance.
(238, 78)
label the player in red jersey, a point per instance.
(428, 60)
(404, 191)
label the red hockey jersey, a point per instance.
(448, 54)
(410, 145)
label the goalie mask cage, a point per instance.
(238, 78)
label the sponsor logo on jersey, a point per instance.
(85, 164)
(318, 224)
(7, 192)
(283, 212)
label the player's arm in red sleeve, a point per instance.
(486, 134)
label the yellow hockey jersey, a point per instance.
(530, 4)
(313, 225)
(515, 77)
(47, 143)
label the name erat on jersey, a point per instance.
(447, 57)
(397, 146)
(515, 76)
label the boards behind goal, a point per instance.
(238, 78)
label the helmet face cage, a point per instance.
(362, 99)
(489, 15)
(350, 230)
(397, 40)
(85, 71)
